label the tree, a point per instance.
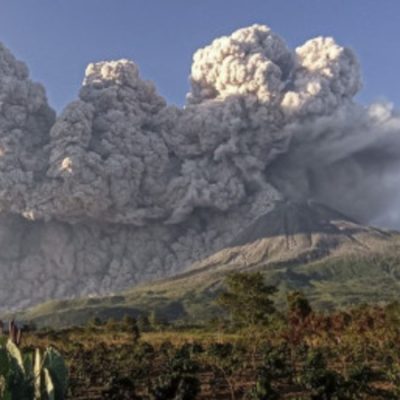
(321, 382)
(143, 323)
(130, 325)
(247, 298)
(299, 312)
(298, 306)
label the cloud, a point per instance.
(123, 187)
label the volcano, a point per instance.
(298, 245)
(297, 233)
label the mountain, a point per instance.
(307, 246)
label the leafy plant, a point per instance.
(27, 376)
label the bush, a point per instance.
(179, 381)
(322, 383)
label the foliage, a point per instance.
(299, 354)
(247, 298)
(178, 381)
(32, 375)
(298, 306)
(321, 382)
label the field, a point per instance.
(299, 355)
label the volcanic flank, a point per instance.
(297, 234)
(122, 188)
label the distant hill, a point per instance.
(305, 246)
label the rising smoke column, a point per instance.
(25, 122)
(123, 187)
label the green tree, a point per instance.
(299, 311)
(321, 382)
(247, 298)
(130, 325)
(298, 306)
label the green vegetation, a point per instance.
(247, 299)
(295, 352)
(32, 375)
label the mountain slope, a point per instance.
(298, 233)
(306, 246)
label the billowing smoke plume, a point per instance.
(122, 187)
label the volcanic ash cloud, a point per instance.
(122, 187)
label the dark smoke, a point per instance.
(123, 187)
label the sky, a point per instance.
(58, 38)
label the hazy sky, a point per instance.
(58, 38)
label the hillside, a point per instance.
(306, 246)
